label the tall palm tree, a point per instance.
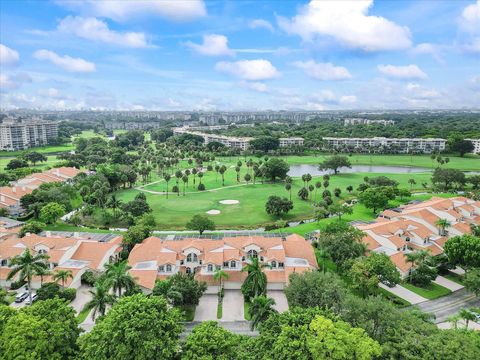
(101, 297)
(220, 275)
(442, 226)
(466, 315)
(119, 276)
(288, 187)
(259, 310)
(185, 181)
(255, 283)
(167, 178)
(63, 276)
(114, 204)
(27, 266)
(417, 258)
(42, 273)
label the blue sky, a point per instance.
(239, 55)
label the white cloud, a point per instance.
(323, 71)
(470, 25)
(213, 45)
(256, 86)
(8, 56)
(65, 62)
(429, 49)
(122, 10)
(97, 30)
(50, 92)
(254, 70)
(347, 22)
(348, 99)
(11, 82)
(260, 23)
(402, 72)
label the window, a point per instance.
(232, 264)
(42, 251)
(192, 257)
(225, 264)
(210, 267)
(169, 268)
(274, 264)
(217, 267)
(161, 268)
(261, 258)
(281, 265)
(189, 271)
(181, 262)
(243, 258)
(252, 253)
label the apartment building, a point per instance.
(401, 145)
(476, 145)
(291, 141)
(10, 195)
(360, 121)
(76, 252)
(156, 259)
(400, 231)
(23, 134)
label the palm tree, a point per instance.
(454, 320)
(167, 178)
(318, 185)
(260, 309)
(222, 172)
(288, 187)
(63, 276)
(27, 266)
(194, 173)
(442, 225)
(114, 203)
(256, 282)
(467, 315)
(220, 275)
(119, 276)
(42, 273)
(185, 180)
(101, 297)
(237, 169)
(417, 258)
(412, 182)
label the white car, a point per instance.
(20, 297)
(34, 298)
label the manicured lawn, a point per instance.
(246, 306)
(42, 149)
(51, 160)
(454, 277)
(431, 292)
(82, 315)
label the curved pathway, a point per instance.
(142, 188)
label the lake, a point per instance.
(299, 170)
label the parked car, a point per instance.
(34, 298)
(20, 297)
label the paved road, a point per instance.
(207, 308)
(449, 305)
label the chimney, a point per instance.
(14, 190)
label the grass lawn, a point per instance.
(454, 277)
(42, 149)
(51, 160)
(396, 300)
(246, 306)
(219, 310)
(431, 292)
(189, 312)
(81, 317)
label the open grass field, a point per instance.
(51, 160)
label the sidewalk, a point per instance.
(449, 284)
(404, 293)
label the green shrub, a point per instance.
(48, 291)
(68, 294)
(201, 187)
(16, 285)
(88, 278)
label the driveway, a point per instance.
(207, 308)
(233, 306)
(281, 303)
(449, 284)
(83, 297)
(404, 293)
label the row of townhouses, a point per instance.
(10, 195)
(397, 232)
(156, 259)
(401, 145)
(234, 142)
(18, 134)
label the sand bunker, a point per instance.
(213, 212)
(229, 202)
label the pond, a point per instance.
(299, 170)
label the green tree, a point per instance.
(114, 204)
(35, 157)
(255, 284)
(200, 223)
(275, 168)
(464, 251)
(16, 164)
(46, 330)
(134, 235)
(27, 266)
(167, 178)
(119, 277)
(458, 144)
(446, 178)
(100, 297)
(51, 212)
(63, 276)
(338, 340)
(278, 206)
(334, 163)
(467, 315)
(136, 328)
(181, 289)
(247, 178)
(373, 199)
(472, 281)
(32, 227)
(303, 193)
(265, 143)
(340, 210)
(442, 225)
(220, 275)
(259, 310)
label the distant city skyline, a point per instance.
(239, 55)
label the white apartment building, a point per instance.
(476, 144)
(401, 145)
(360, 121)
(292, 141)
(22, 134)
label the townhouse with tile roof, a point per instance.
(397, 232)
(156, 259)
(10, 195)
(78, 253)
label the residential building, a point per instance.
(77, 252)
(9, 226)
(360, 121)
(397, 232)
(292, 141)
(401, 145)
(476, 145)
(23, 134)
(10, 195)
(155, 259)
